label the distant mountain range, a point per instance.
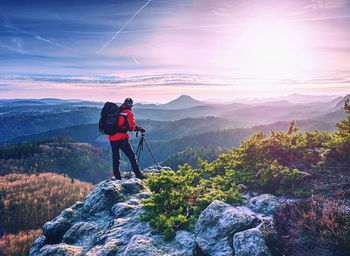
(294, 98)
(49, 101)
(25, 118)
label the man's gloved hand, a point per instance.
(140, 129)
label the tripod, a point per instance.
(140, 149)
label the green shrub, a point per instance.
(338, 156)
(276, 175)
(302, 193)
(179, 197)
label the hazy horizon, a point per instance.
(208, 100)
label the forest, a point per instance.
(60, 155)
(28, 201)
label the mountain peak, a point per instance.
(184, 96)
(183, 101)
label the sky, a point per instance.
(156, 50)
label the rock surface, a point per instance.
(250, 243)
(109, 223)
(266, 204)
(217, 225)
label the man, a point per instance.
(120, 140)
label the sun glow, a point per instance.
(270, 49)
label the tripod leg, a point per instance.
(155, 161)
(139, 149)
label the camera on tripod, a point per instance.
(140, 146)
(140, 129)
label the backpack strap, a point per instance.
(125, 116)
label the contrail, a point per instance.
(135, 60)
(48, 41)
(11, 28)
(125, 25)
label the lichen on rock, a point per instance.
(266, 204)
(218, 223)
(250, 243)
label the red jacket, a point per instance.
(122, 123)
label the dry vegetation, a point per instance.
(319, 223)
(28, 201)
(18, 244)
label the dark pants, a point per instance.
(125, 146)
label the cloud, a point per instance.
(327, 4)
(167, 85)
(13, 49)
(115, 82)
(322, 18)
(163, 80)
(18, 42)
(8, 87)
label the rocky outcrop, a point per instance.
(109, 223)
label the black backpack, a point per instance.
(108, 123)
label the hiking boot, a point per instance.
(118, 177)
(140, 176)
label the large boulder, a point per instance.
(142, 245)
(217, 225)
(250, 243)
(107, 224)
(266, 204)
